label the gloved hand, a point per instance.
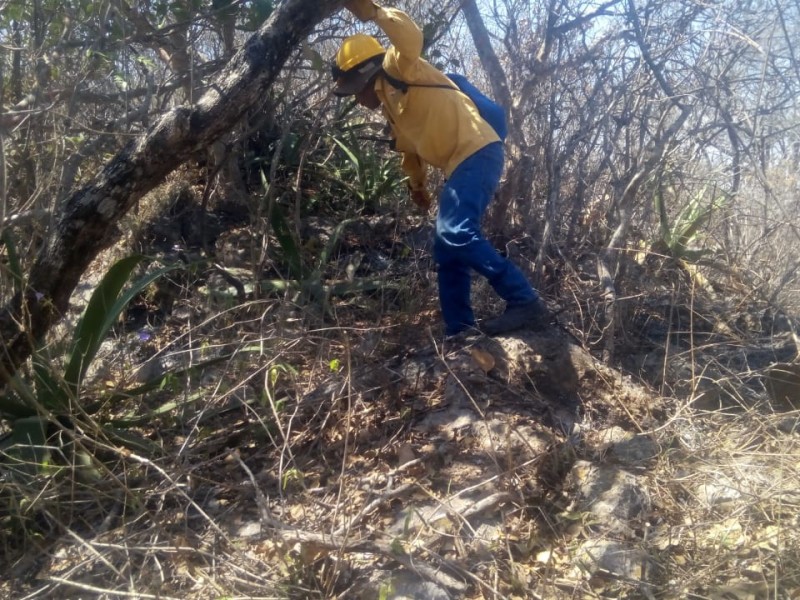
(421, 198)
(364, 10)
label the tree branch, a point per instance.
(486, 54)
(85, 222)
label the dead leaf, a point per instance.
(405, 454)
(483, 359)
(310, 552)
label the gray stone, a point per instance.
(782, 381)
(595, 556)
(397, 585)
(627, 448)
(498, 436)
(613, 497)
(448, 421)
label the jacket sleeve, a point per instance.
(411, 163)
(415, 168)
(405, 36)
(364, 10)
(404, 56)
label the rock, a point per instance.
(718, 491)
(498, 436)
(397, 585)
(613, 497)
(552, 362)
(782, 381)
(608, 556)
(627, 448)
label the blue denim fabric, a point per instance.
(460, 248)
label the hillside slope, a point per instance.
(342, 450)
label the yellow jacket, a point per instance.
(433, 126)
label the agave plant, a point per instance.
(372, 177)
(677, 236)
(307, 276)
(47, 398)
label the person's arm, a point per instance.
(364, 10)
(411, 163)
(406, 39)
(403, 33)
(414, 167)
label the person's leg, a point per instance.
(459, 240)
(454, 290)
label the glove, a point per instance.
(421, 198)
(364, 10)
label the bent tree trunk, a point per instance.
(85, 222)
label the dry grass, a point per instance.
(290, 471)
(728, 504)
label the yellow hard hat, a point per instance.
(358, 59)
(356, 49)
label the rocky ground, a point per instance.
(349, 453)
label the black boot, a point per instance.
(532, 315)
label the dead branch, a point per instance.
(85, 223)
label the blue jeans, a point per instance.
(460, 248)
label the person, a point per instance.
(433, 123)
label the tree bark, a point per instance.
(607, 260)
(85, 222)
(488, 57)
(518, 183)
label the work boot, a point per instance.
(462, 339)
(531, 315)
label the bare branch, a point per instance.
(86, 221)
